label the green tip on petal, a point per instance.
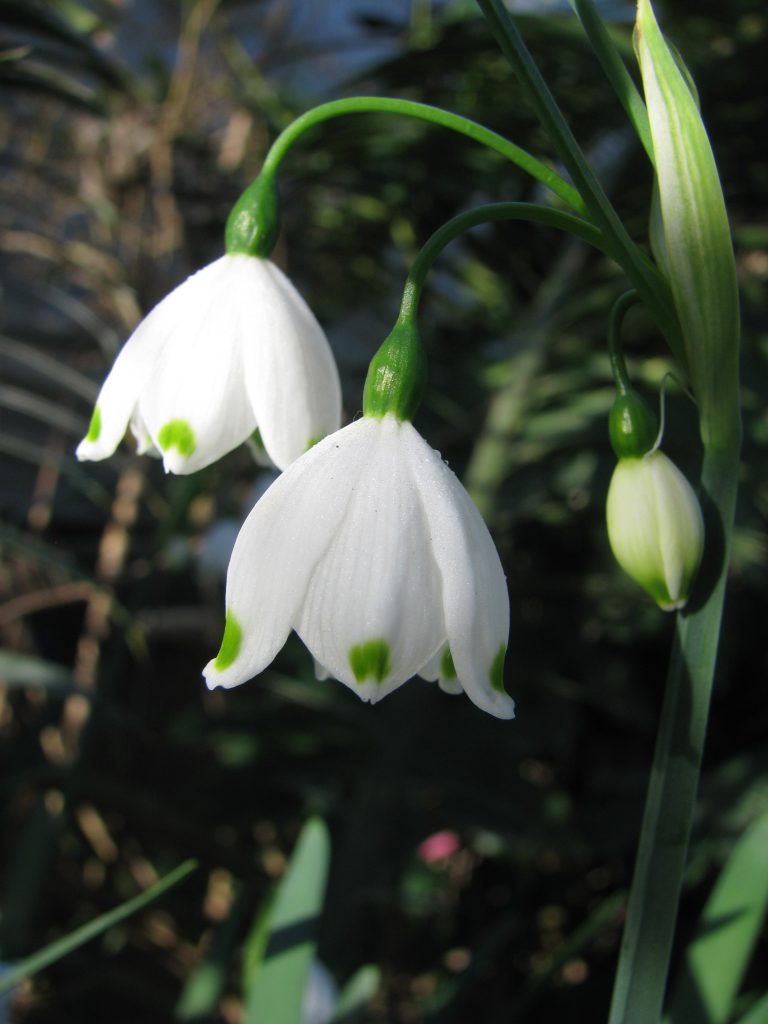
(496, 675)
(230, 644)
(258, 440)
(94, 427)
(447, 668)
(313, 441)
(370, 660)
(179, 435)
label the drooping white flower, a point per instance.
(232, 349)
(655, 527)
(369, 547)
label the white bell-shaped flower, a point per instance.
(655, 527)
(232, 349)
(369, 547)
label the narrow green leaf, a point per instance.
(730, 925)
(356, 995)
(56, 950)
(757, 1015)
(276, 993)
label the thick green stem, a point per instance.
(647, 942)
(641, 273)
(423, 112)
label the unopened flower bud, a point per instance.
(655, 527)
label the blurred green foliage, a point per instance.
(127, 134)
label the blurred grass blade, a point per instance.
(206, 983)
(356, 996)
(729, 928)
(276, 991)
(757, 1015)
(56, 950)
(18, 669)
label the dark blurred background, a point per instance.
(128, 129)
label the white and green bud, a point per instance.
(655, 527)
(689, 230)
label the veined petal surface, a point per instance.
(196, 408)
(290, 375)
(474, 591)
(277, 550)
(372, 614)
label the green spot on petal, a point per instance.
(497, 669)
(94, 428)
(370, 660)
(230, 643)
(313, 441)
(179, 435)
(447, 668)
(258, 440)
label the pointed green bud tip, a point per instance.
(632, 426)
(254, 222)
(370, 660)
(397, 374)
(230, 643)
(655, 527)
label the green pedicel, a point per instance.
(230, 644)
(179, 435)
(370, 660)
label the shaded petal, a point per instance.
(276, 551)
(290, 373)
(440, 669)
(196, 407)
(372, 615)
(474, 591)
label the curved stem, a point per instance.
(618, 367)
(643, 276)
(483, 215)
(424, 112)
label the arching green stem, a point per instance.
(483, 215)
(618, 367)
(423, 112)
(649, 283)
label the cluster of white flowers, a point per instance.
(367, 545)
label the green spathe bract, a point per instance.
(397, 374)
(698, 254)
(370, 660)
(655, 527)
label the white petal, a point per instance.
(474, 591)
(277, 549)
(372, 615)
(196, 407)
(440, 670)
(291, 376)
(120, 392)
